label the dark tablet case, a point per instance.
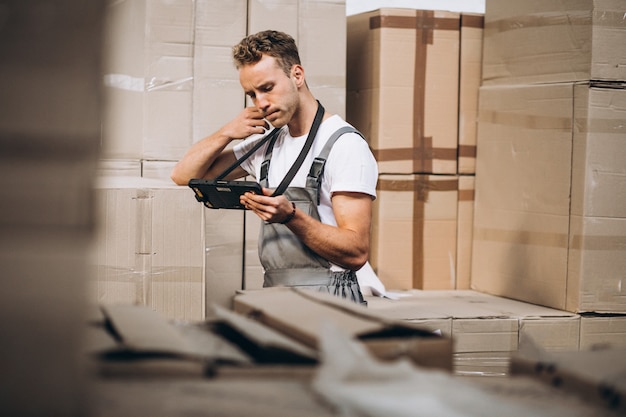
(222, 194)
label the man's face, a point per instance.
(271, 90)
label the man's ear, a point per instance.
(297, 72)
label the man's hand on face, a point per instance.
(248, 122)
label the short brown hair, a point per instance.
(269, 42)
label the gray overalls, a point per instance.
(286, 260)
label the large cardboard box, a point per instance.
(602, 331)
(253, 270)
(539, 41)
(303, 315)
(148, 79)
(403, 84)
(322, 55)
(464, 233)
(470, 67)
(414, 231)
(217, 94)
(169, 78)
(550, 219)
(149, 247)
(224, 255)
(321, 24)
(486, 330)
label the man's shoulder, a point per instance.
(336, 122)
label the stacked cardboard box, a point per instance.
(152, 255)
(486, 329)
(169, 81)
(49, 135)
(413, 77)
(550, 223)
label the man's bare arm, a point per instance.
(209, 157)
(346, 245)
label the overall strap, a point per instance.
(271, 136)
(314, 179)
(317, 121)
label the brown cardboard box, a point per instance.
(273, 14)
(414, 231)
(470, 67)
(550, 215)
(539, 41)
(465, 227)
(556, 333)
(148, 79)
(484, 346)
(485, 329)
(322, 43)
(403, 76)
(217, 94)
(149, 247)
(302, 315)
(602, 331)
(119, 167)
(169, 78)
(224, 255)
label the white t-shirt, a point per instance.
(350, 167)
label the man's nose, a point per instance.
(262, 102)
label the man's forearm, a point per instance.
(199, 159)
(342, 247)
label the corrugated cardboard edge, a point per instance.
(143, 333)
(271, 342)
(428, 349)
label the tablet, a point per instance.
(222, 194)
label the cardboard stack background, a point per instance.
(550, 223)
(169, 81)
(49, 136)
(413, 77)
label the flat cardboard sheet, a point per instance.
(263, 343)
(137, 341)
(303, 314)
(458, 304)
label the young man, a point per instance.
(309, 238)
